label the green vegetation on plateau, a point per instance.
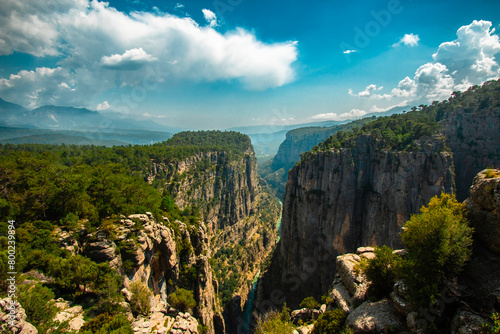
(401, 131)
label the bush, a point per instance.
(438, 243)
(39, 305)
(309, 302)
(140, 301)
(182, 300)
(381, 271)
(105, 323)
(492, 329)
(330, 322)
(273, 323)
(491, 173)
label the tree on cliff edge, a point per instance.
(438, 242)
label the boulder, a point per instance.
(376, 317)
(184, 324)
(14, 323)
(304, 329)
(73, 315)
(351, 275)
(342, 298)
(465, 322)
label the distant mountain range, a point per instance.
(69, 125)
(56, 125)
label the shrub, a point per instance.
(330, 322)
(491, 173)
(140, 301)
(39, 305)
(183, 300)
(492, 329)
(309, 302)
(381, 271)
(105, 323)
(272, 322)
(438, 243)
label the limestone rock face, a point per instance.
(184, 324)
(297, 143)
(101, 251)
(484, 208)
(473, 138)
(342, 199)
(224, 191)
(15, 323)
(150, 249)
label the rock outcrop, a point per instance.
(395, 314)
(142, 249)
(13, 318)
(342, 199)
(484, 208)
(297, 142)
(480, 280)
(72, 314)
(377, 317)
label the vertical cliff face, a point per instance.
(474, 140)
(221, 184)
(341, 199)
(240, 216)
(296, 142)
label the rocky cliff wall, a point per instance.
(295, 144)
(240, 216)
(474, 139)
(341, 199)
(222, 185)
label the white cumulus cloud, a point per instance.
(103, 106)
(472, 55)
(100, 48)
(49, 85)
(354, 113)
(368, 92)
(408, 40)
(210, 17)
(132, 59)
(458, 64)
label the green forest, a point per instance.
(44, 187)
(401, 131)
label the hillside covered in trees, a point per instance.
(86, 192)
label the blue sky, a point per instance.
(222, 63)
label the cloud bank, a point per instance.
(102, 48)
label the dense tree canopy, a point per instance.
(401, 131)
